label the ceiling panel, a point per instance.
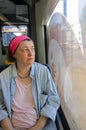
(19, 2)
(11, 10)
(15, 10)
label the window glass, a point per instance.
(67, 57)
(9, 32)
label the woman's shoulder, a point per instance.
(6, 70)
(41, 66)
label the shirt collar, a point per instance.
(14, 70)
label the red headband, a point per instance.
(16, 41)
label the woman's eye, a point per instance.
(25, 50)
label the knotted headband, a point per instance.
(16, 41)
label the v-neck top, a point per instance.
(23, 106)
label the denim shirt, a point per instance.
(43, 89)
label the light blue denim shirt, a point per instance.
(43, 88)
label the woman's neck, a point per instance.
(23, 71)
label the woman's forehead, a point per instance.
(26, 43)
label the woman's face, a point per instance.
(25, 53)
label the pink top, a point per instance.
(23, 106)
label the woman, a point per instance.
(28, 96)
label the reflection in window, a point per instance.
(67, 58)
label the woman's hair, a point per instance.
(10, 56)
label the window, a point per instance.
(9, 32)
